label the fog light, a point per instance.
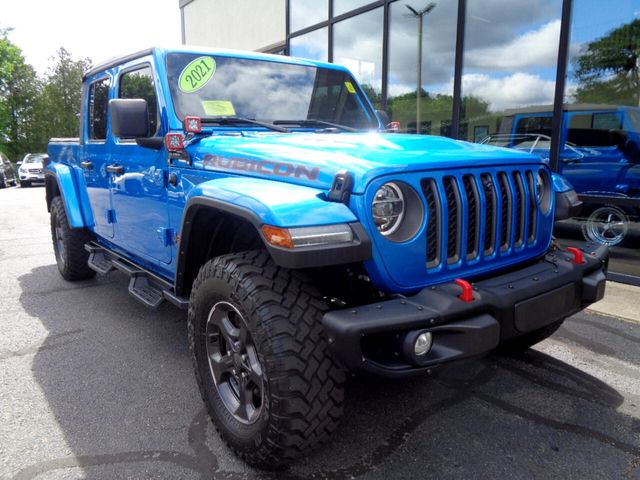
(423, 343)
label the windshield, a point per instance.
(214, 86)
(33, 158)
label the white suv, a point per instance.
(31, 169)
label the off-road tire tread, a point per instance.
(520, 344)
(76, 266)
(305, 384)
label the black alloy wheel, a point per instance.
(234, 363)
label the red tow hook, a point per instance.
(467, 290)
(578, 258)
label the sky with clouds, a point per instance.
(510, 56)
(511, 46)
(86, 28)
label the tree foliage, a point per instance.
(34, 109)
(60, 98)
(607, 71)
(19, 90)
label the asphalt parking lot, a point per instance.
(94, 385)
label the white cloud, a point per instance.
(516, 90)
(533, 49)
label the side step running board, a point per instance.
(144, 286)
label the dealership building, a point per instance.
(556, 77)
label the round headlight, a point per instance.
(541, 186)
(388, 208)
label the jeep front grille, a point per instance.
(474, 216)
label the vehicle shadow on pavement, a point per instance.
(118, 379)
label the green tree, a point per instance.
(19, 91)
(59, 102)
(607, 71)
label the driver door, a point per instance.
(138, 188)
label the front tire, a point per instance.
(68, 245)
(261, 359)
(25, 183)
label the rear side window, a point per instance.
(139, 84)
(601, 129)
(537, 125)
(98, 100)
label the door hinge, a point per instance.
(110, 215)
(166, 235)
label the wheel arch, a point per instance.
(204, 235)
(59, 181)
(213, 227)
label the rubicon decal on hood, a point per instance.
(267, 167)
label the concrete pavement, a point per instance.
(94, 385)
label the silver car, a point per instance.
(31, 169)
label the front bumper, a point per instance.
(31, 177)
(370, 338)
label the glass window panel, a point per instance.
(438, 56)
(304, 13)
(98, 100)
(313, 45)
(601, 155)
(344, 6)
(139, 84)
(358, 46)
(510, 59)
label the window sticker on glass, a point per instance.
(350, 87)
(196, 74)
(218, 107)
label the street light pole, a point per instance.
(419, 15)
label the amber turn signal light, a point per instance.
(276, 236)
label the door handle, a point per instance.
(86, 165)
(117, 169)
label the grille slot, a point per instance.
(491, 214)
(497, 213)
(434, 219)
(519, 207)
(532, 221)
(506, 204)
(454, 217)
(473, 216)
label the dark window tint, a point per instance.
(540, 125)
(98, 99)
(595, 130)
(139, 84)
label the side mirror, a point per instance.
(19, 163)
(384, 117)
(129, 117)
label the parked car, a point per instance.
(304, 241)
(30, 169)
(7, 173)
(600, 157)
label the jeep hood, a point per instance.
(312, 159)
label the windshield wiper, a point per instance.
(233, 120)
(311, 123)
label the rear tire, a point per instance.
(256, 328)
(68, 245)
(523, 342)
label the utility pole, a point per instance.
(419, 15)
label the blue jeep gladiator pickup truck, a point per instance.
(600, 157)
(262, 194)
